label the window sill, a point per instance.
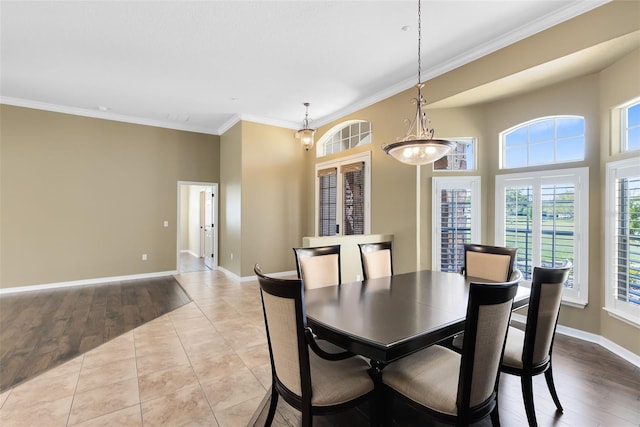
(574, 303)
(623, 317)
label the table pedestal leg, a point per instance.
(377, 410)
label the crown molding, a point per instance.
(572, 10)
(104, 115)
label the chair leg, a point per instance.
(387, 407)
(548, 375)
(272, 407)
(495, 416)
(376, 410)
(495, 413)
(307, 414)
(527, 393)
(307, 418)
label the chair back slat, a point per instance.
(280, 314)
(377, 264)
(488, 266)
(544, 307)
(320, 271)
(285, 321)
(485, 262)
(376, 259)
(488, 314)
(493, 321)
(318, 267)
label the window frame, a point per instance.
(621, 310)
(364, 157)
(624, 126)
(503, 142)
(328, 136)
(466, 140)
(579, 177)
(439, 183)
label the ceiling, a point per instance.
(202, 66)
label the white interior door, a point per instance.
(208, 227)
(197, 233)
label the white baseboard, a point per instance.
(587, 336)
(86, 282)
(187, 251)
(250, 278)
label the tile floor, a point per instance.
(206, 363)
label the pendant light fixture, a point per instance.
(418, 147)
(305, 135)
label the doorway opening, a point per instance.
(197, 236)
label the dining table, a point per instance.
(387, 318)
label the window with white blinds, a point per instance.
(342, 195)
(327, 193)
(545, 215)
(456, 219)
(353, 216)
(623, 239)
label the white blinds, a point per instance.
(455, 227)
(328, 183)
(627, 229)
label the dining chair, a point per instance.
(314, 382)
(319, 266)
(376, 260)
(489, 262)
(455, 343)
(456, 388)
(528, 353)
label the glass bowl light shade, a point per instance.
(419, 151)
(306, 138)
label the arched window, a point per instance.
(631, 127)
(547, 140)
(344, 136)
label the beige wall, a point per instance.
(263, 199)
(618, 84)
(230, 209)
(273, 197)
(84, 198)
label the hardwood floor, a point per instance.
(596, 388)
(42, 329)
(206, 363)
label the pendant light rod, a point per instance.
(419, 148)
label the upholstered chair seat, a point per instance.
(337, 382)
(458, 388)
(430, 377)
(513, 348)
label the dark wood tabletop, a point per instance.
(390, 317)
